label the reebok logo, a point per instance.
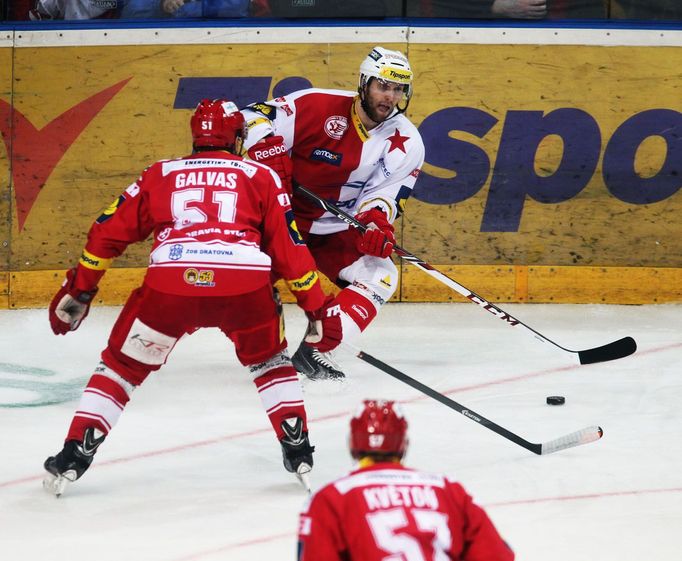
(266, 153)
(361, 311)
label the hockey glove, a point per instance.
(272, 152)
(325, 332)
(378, 240)
(70, 305)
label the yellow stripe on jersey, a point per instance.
(357, 123)
(90, 261)
(306, 282)
(257, 121)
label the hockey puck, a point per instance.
(556, 400)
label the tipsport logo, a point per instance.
(512, 176)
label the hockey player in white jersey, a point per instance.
(359, 151)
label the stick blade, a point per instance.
(612, 351)
(577, 438)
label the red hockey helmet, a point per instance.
(378, 429)
(217, 124)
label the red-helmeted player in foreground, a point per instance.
(219, 224)
(383, 510)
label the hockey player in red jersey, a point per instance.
(359, 151)
(383, 510)
(219, 225)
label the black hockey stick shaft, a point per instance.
(611, 351)
(589, 434)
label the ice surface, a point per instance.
(192, 472)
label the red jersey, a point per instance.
(337, 158)
(388, 511)
(219, 224)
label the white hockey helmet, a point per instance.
(390, 66)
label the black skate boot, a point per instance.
(72, 462)
(315, 364)
(297, 453)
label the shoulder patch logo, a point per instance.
(294, 234)
(111, 209)
(336, 126)
(263, 109)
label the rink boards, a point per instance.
(553, 156)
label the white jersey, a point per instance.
(337, 158)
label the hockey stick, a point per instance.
(611, 351)
(589, 434)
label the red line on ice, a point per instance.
(331, 416)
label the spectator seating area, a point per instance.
(42, 10)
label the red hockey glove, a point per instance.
(378, 240)
(325, 332)
(272, 152)
(70, 305)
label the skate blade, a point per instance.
(304, 480)
(57, 484)
(326, 387)
(303, 476)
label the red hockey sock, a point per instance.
(282, 397)
(100, 406)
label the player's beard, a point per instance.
(371, 110)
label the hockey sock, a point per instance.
(101, 404)
(282, 397)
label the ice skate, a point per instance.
(316, 365)
(297, 453)
(71, 463)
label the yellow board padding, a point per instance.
(547, 284)
(495, 283)
(4, 290)
(561, 285)
(607, 285)
(35, 289)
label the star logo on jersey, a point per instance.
(397, 141)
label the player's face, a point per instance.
(382, 98)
